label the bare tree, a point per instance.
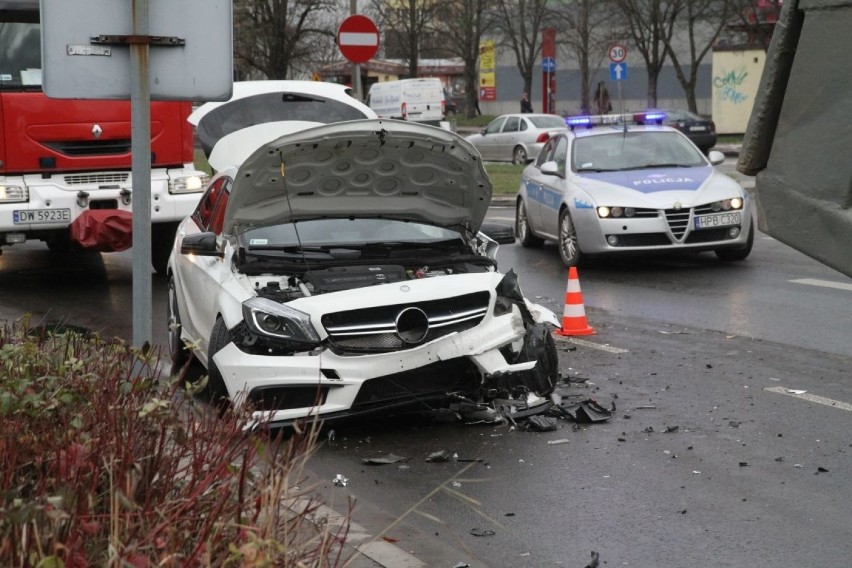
(519, 23)
(406, 25)
(756, 20)
(462, 25)
(651, 24)
(588, 31)
(273, 36)
(697, 16)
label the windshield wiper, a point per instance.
(662, 165)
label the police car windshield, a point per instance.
(634, 150)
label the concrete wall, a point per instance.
(736, 77)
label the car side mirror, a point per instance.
(201, 244)
(716, 157)
(551, 169)
(483, 131)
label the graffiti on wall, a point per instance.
(729, 86)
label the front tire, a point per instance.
(522, 228)
(177, 350)
(569, 246)
(736, 254)
(216, 388)
(519, 156)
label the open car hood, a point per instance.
(362, 168)
(261, 111)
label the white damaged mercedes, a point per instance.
(341, 270)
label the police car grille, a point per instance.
(678, 221)
(373, 330)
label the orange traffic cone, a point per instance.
(574, 316)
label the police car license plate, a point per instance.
(717, 220)
(697, 128)
(36, 216)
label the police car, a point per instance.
(609, 186)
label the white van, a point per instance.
(420, 100)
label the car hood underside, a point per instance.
(374, 168)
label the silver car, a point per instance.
(516, 138)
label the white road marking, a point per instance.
(584, 343)
(811, 397)
(823, 283)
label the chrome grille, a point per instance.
(96, 179)
(373, 330)
(678, 221)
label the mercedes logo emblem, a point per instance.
(412, 325)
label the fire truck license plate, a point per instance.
(35, 216)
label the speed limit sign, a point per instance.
(617, 53)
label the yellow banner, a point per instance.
(487, 75)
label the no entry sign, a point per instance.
(358, 38)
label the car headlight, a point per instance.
(188, 184)
(13, 194)
(727, 204)
(616, 212)
(276, 321)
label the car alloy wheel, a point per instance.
(569, 249)
(519, 156)
(522, 228)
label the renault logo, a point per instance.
(97, 131)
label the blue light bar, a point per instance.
(578, 121)
(657, 117)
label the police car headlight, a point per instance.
(13, 194)
(736, 203)
(278, 321)
(629, 212)
(603, 212)
(617, 211)
(188, 184)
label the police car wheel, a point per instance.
(569, 248)
(522, 228)
(741, 253)
(519, 156)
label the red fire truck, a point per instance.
(65, 165)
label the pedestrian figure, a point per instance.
(526, 105)
(602, 99)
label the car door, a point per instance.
(533, 185)
(487, 145)
(553, 187)
(198, 278)
(507, 138)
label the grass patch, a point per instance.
(506, 178)
(730, 139)
(480, 120)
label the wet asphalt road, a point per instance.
(686, 344)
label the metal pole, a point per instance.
(356, 69)
(140, 146)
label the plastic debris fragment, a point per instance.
(439, 456)
(340, 480)
(482, 532)
(384, 460)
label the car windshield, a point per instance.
(634, 150)
(547, 121)
(346, 233)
